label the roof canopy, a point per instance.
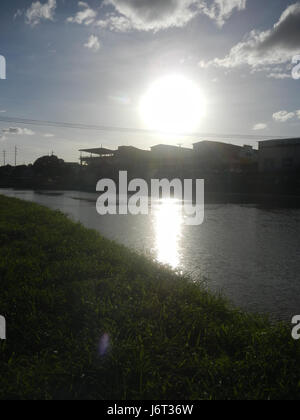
(98, 151)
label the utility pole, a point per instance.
(4, 157)
(16, 152)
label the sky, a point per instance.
(91, 63)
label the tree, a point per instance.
(49, 167)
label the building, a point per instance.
(133, 155)
(279, 155)
(130, 154)
(164, 151)
(123, 155)
(161, 161)
(218, 156)
(171, 161)
(96, 155)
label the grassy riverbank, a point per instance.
(63, 287)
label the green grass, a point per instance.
(62, 287)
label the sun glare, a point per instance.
(172, 104)
(168, 221)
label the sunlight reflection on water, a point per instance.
(168, 221)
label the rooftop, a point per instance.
(216, 143)
(280, 142)
(98, 151)
(170, 147)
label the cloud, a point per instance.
(48, 135)
(116, 23)
(221, 10)
(93, 43)
(18, 131)
(86, 16)
(18, 13)
(260, 126)
(286, 32)
(279, 76)
(156, 15)
(283, 116)
(38, 12)
(262, 49)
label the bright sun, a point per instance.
(172, 104)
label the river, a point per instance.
(247, 253)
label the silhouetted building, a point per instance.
(164, 151)
(131, 154)
(96, 155)
(218, 156)
(171, 161)
(279, 155)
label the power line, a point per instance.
(103, 128)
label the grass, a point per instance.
(62, 287)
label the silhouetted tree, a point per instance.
(49, 167)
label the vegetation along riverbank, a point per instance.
(89, 319)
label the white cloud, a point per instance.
(93, 43)
(260, 126)
(38, 12)
(115, 23)
(27, 132)
(86, 16)
(283, 116)
(49, 135)
(280, 76)
(156, 15)
(18, 131)
(261, 50)
(221, 10)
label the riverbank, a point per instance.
(90, 319)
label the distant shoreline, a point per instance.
(264, 199)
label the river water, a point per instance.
(247, 253)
